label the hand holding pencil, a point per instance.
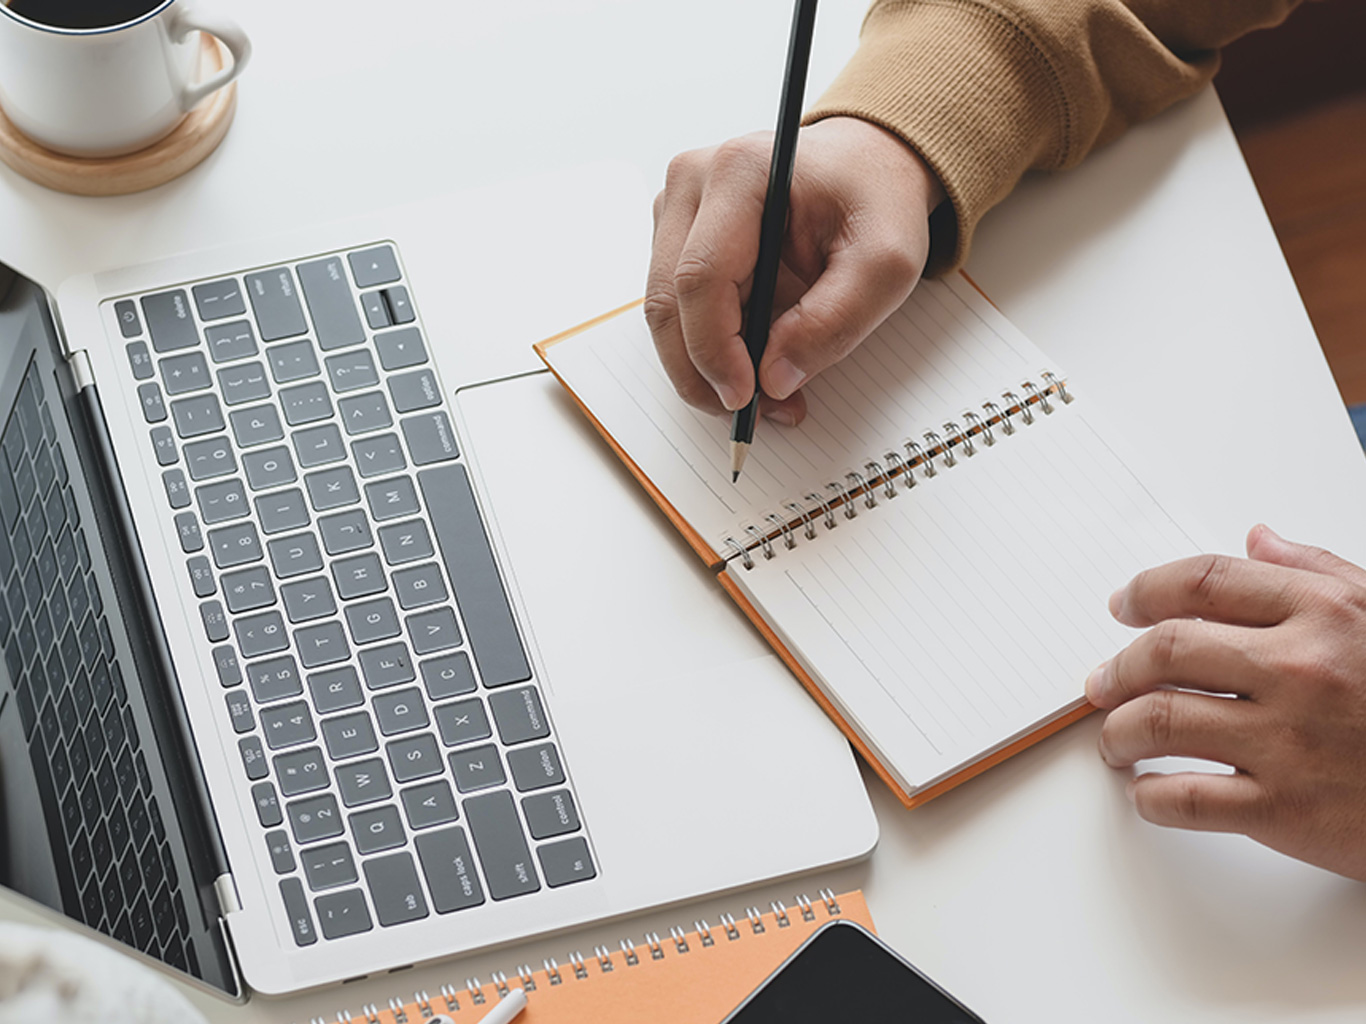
(856, 238)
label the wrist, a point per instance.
(893, 153)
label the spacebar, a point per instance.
(474, 575)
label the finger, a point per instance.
(715, 266)
(1173, 723)
(674, 211)
(1197, 800)
(1233, 590)
(1186, 653)
(1265, 545)
(861, 285)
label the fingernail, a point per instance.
(784, 378)
(1129, 788)
(781, 415)
(1094, 691)
(730, 397)
(1116, 602)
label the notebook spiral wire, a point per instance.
(894, 472)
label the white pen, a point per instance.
(507, 1009)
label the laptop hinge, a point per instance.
(81, 370)
(226, 890)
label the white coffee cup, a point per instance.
(109, 90)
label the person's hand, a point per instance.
(1259, 664)
(857, 239)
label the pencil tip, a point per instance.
(735, 475)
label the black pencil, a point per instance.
(773, 225)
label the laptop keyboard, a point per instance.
(73, 703)
(391, 733)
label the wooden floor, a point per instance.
(1310, 168)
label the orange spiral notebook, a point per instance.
(692, 976)
(931, 551)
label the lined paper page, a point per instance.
(946, 350)
(967, 611)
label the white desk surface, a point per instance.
(1151, 275)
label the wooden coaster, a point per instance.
(189, 142)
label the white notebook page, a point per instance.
(945, 351)
(968, 610)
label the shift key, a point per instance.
(330, 302)
(275, 301)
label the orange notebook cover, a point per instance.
(689, 976)
(1009, 411)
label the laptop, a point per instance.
(333, 639)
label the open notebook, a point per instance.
(930, 551)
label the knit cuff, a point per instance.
(968, 90)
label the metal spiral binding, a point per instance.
(917, 456)
(934, 442)
(842, 499)
(703, 931)
(527, 978)
(860, 484)
(756, 920)
(1052, 383)
(804, 518)
(742, 551)
(782, 524)
(728, 922)
(604, 957)
(628, 950)
(680, 938)
(875, 471)
(976, 425)
(900, 471)
(765, 544)
(780, 913)
(830, 521)
(475, 990)
(1036, 396)
(959, 436)
(579, 967)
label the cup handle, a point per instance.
(230, 34)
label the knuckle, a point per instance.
(1207, 576)
(682, 169)
(694, 275)
(1188, 802)
(1167, 645)
(1158, 721)
(738, 156)
(661, 310)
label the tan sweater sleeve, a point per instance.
(985, 90)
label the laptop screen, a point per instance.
(92, 822)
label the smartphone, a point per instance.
(844, 972)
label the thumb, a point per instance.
(1265, 545)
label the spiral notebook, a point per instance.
(694, 976)
(930, 552)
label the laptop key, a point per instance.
(448, 676)
(519, 715)
(287, 725)
(414, 391)
(349, 736)
(430, 438)
(185, 373)
(374, 266)
(331, 488)
(419, 586)
(448, 866)
(221, 502)
(566, 862)
(201, 576)
(130, 325)
(296, 908)
(335, 690)
(169, 321)
(399, 307)
(463, 722)
(377, 830)
(309, 599)
(267, 804)
(474, 576)
(323, 644)
(260, 634)
(327, 867)
(477, 768)
(248, 590)
(274, 679)
(210, 458)
(328, 294)
(259, 424)
(275, 301)
(284, 510)
(301, 771)
(187, 530)
(372, 620)
(414, 758)
(153, 405)
(281, 853)
(253, 758)
(318, 446)
(535, 767)
(405, 542)
(224, 662)
(399, 350)
(551, 814)
(305, 403)
(295, 361)
(433, 631)
(361, 414)
(400, 711)
(394, 887)
(392, 499)
(245, 383)
(378, 456)
(233, 545)
(376, 311)
(501, 844)
(231, 341)
(314, 818)
(363, 782)
(429, 804)
(140, 360)
(343, 913)
(219, 299)
(194, 417)
(295, 555)
(215, 622)
(351, 371)
(386, 666)
(272, 467)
